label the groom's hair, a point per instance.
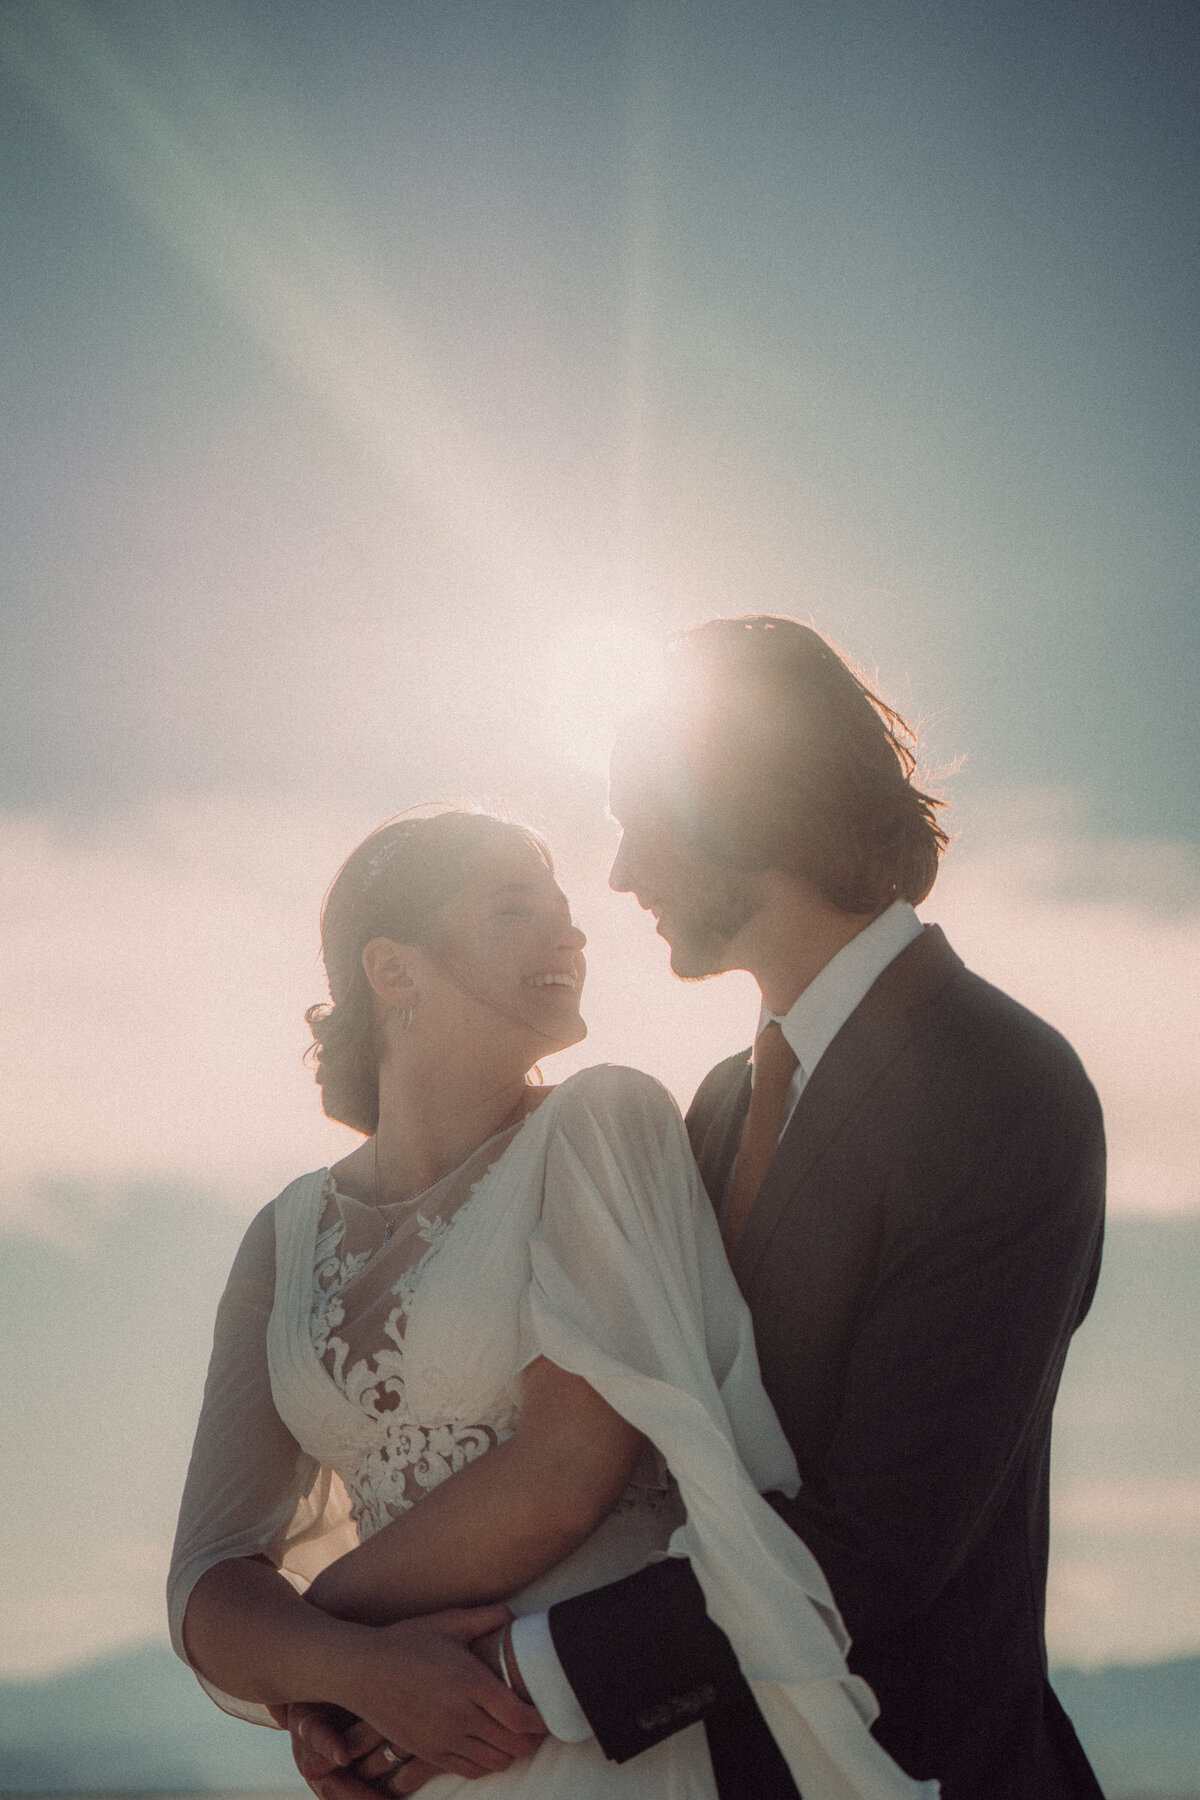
(766, 750)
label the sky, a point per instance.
(379, 387)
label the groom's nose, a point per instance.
(620, 876)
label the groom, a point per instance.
(908, 1170)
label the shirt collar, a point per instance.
(827, 1002)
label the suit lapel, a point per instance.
(870, 1040)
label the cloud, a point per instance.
(159, 968)
(1130, 1601)
(1168, 1507)
(1125, 1469)
(1102, 938)
(65, 1610)
(159, 971)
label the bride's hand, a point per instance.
(321, 1748)
(341, 1758)
(418, 1685)
(387, 1772)
(487, 1649)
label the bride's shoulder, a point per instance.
(613, 1092)
(616, 1144)
(314, 1185)
(305, 1192)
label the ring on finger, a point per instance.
(391, 1758)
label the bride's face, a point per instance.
(508, 964)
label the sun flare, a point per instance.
(600, 671)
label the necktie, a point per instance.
(775, 1062)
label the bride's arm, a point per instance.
(251, 1492)
(415, 1683)
(504, 1519)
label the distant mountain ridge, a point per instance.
(140, 1723)
(134, 1723)
(1139, 1725)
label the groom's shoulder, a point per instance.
(982, 1028)
(715, 1089)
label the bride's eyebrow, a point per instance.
(526, 890)
(522, 890)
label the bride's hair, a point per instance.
(394, 885)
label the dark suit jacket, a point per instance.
(924, 1244)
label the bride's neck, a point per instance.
(429, 1126)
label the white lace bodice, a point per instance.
(407, 1459)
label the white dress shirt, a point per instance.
(830, 997)
(809, 1027)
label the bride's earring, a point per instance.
(404, 1015)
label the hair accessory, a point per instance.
(383, 856)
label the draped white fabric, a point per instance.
(588, 1240)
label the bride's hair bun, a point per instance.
(393, 885)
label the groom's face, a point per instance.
(700, 908)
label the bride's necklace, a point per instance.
(410, 1200)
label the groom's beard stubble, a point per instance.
(700, 934)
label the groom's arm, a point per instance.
(645, 1660)
(976, 1319)
(955, 1367)
(643, 1657)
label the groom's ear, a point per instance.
(385, 965)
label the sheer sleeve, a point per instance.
(627, 1256)
(251, 1490)
(630, 1289)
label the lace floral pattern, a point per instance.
(653, 1489)
(409, 1459)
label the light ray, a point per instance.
(595, 672)
(225, 193)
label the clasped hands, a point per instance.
(443, 1706)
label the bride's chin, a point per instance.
(572, 1034)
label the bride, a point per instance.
(511, 1305)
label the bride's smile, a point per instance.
(508, 955)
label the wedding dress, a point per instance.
(362, 1355)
